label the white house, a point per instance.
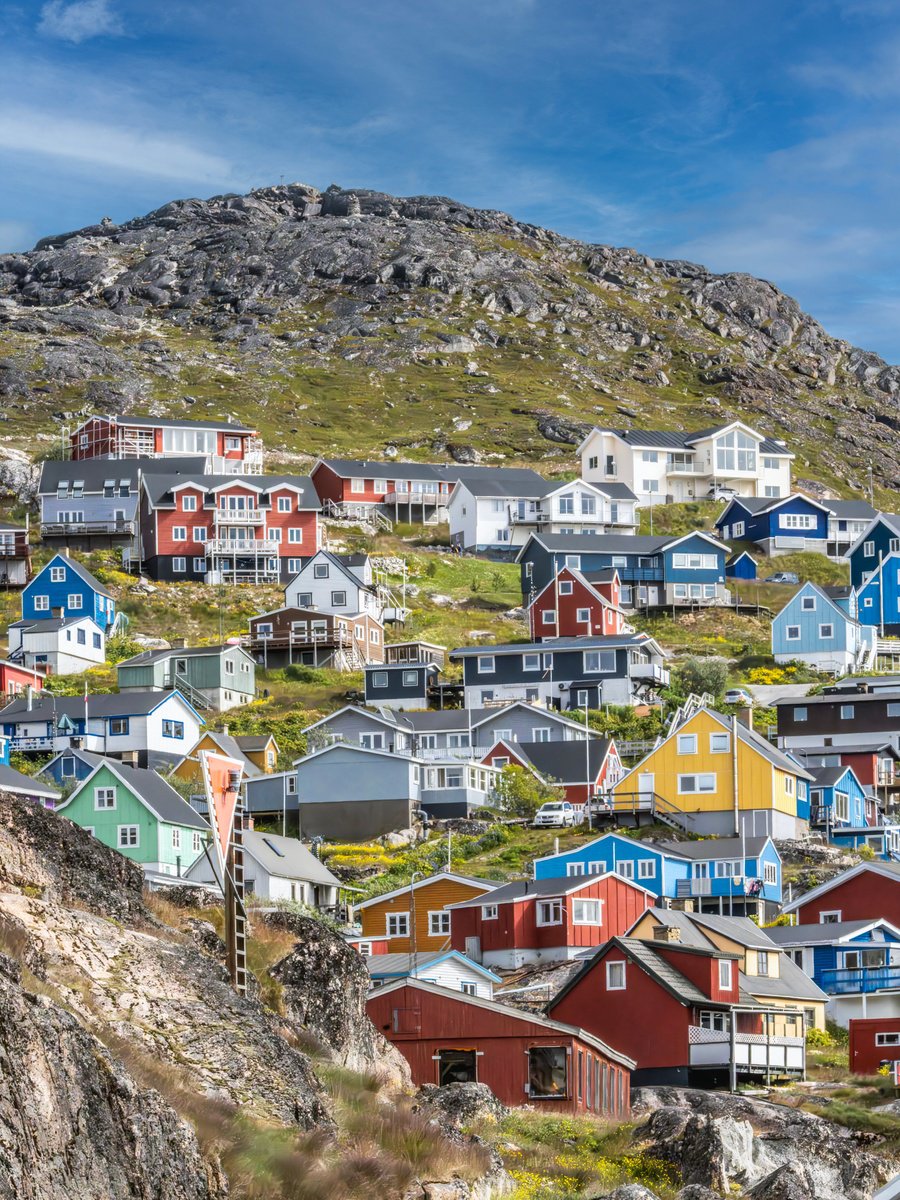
(661, 466)
(277, 868)
(483, 512)
(335, 583)
(446, 968)
(57, 645)
(145, 729)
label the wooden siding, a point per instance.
(866, 896)
(865, 1056)
(426, 898)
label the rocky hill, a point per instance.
(357, 322)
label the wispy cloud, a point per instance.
(140, 151)
(78, 20)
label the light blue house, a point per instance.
(729, 876)
(879, 596)
(820, 626)
(837, 799)
(856, 963)
(64, 588)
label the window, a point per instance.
(371, 741)
(379, 679)
(41, 603)
(485, 664)
(179, 533)
(646, 868)
(357, 485)
(118, 726)
(615, 976)
(714, 1020)
(856, 960)
(574, 868)
(398, 924)
(695, 784)
(770, 872)
(725, 967)
(438, 923)
(199, 565)
(531, 662)
(200, 533)
(847, 711)
(573, 560)
(565, 587)
(649, 456)
(304, 599)
(719, 743)
(887, 1039)
(586, 912)
(549, 912)
(104, 797)
(762, 962)
(868, 549)
(284, 504)
(600, 661)
(541, 733)
(801, 714)
(566, 505)
(320, 570)
(695, 562)
(294, 565)
(735, 451)
(583, 615)
(81, 637)
(796, 521)
(338, 599)
(830, 918)
(196, 841)
(548, 616)
(625, 868)
(687, 743)
(173, 729)
(737, 529)
(808, 604)
(179, 565)
(176, 839)
(295, 535)
(489, 912)
(650, 485)
(188, 503)
(826, 632)
(128, 835)
(548, 1072)
(57, 574)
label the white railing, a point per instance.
(229, 546)
(240, 516)
(650, 671)
(688, 468)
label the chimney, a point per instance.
(666, 933)
(225, 730)
(177, 643)
(29, 698)
(745, 716)
(57, 612)
(65, 551)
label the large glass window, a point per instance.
(457, 1066)
(548, 1075)
(735, 451)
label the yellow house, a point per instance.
(257, 752)
(417, 917)
(768, 975)
(725, 778)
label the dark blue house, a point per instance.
(655, 572)
(784, 524)
(741, 566)
(880, 538)
(66, 588)
(400, 685)
(564, 673)
(70, 766)
(878, 602)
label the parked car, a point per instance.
(782, 577)
(555, 813)
(738, 696)
(722, 493)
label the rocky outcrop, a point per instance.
(74, 1123)
(325, 983)
(768, 1151)
(461, 1104)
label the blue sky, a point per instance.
(760, 137)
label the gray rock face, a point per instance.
(728, 1142)
(74, 1123)
(461, 1103)
(325, 985)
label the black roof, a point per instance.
(158, 486)
(566, 761)
(100, 704)
(169, 423)
(94, 472)
(671, 440)
(80, 570)
(615, 641)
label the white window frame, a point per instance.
(616, 975)
(102, 806)
(123, 837)
(436, 921)
(726, 974)
(646, 868)
(696, 789)
(581, 905)
(720, 743)
(687, 743)
(400, 921)
(551, 906)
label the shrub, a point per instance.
(819, 1038)
(699, 675)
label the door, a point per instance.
(473, 949)
(457, 1066)
(646, 788)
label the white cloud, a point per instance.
(135, 150)
(78, 20)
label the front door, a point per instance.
(457, 1066)
(473, 949)
(646, 788)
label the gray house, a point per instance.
(210, 677)
(277, 868)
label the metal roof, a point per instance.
(94, 472)
(157, 485)
(672, 440)
(566, 761)
(100, 704)
(525, 889)
(287, 858)
(169, 423)
(828, 776)
(832, 931)
(14, 781)
(611, 642)
(487, 885)
(379, 965)
(711, 849)
(149, 787)
(147, 657)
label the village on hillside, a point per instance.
(617, 807)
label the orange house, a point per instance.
(257, 752)
(418, 913)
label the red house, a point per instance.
(874, 1043)
(348, 486)
(546, 920)
(249, 529)
(230, 449)
(583, 769)
(875, 765)
(15, 678)
(672, 1008)
(451, 1037)
(574, 605)
(367, 946)
(859, 894)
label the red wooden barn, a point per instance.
(572, 605)
(450, 1037)
(546, 920)
(874, 1041)
(861, 893)
(670, 1007)
(15, 678)
(581, 768)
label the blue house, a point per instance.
(64, 588)
(729, 876)
(789, 523)
(820, 626)
(879, 596)
(655, 572)
(564, 673)
(70, 766)
(880, 538)
(856, 963)
(741, 566)
(837, 799)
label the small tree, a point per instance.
(703, 675)
(521, 793)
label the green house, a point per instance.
(209, 677)
(136, 812)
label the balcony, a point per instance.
(686, 889)
(688, 468)
(414, 496)
(61, 741)
(51, 529)
(861, 981)
(222, 547)
(757, 1053)
(240, 516)
(652, 672)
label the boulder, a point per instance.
(461, 1104)
(325, 983)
